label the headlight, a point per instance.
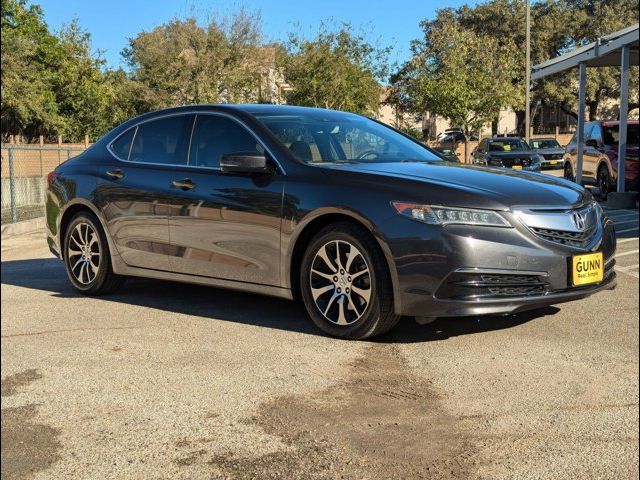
(437, 215)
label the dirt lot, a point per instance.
(174, 381)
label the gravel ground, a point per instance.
(175, 381)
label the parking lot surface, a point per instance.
(166, 380)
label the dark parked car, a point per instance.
(600, 156)
(454, 136)
(550, 151)
(362, 223)
(507, 152)
(448, 153)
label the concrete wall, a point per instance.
(28, 191)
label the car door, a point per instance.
(225, 225)
(133, 191)
(592, 152)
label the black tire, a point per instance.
(604, 181)
(104, 280)
(568, 172)
(377, 316)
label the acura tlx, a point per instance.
(360, 222)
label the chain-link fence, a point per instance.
(24, 172)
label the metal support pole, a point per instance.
(581, 101)
(12, 188)
(624, 114)
(527, 94)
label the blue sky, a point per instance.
(112, 22)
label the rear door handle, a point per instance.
(115, 174)
(184, 184)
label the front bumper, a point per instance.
(551, 164)
(428, 284)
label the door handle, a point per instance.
(115, 174)
(184, 184)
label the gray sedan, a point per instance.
(550, 151)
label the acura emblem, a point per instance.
(578, 220)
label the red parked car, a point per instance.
(600, 159)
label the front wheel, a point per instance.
(345, 283)
(87, 258)
(568, 172)
(604, 181)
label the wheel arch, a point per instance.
(74, 207)
(312, 225)
(606, 162)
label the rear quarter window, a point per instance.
(122, 145)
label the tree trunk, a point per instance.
(494, 127)
(568, 111)
(466, 149)
(520, 119)
(593, 110)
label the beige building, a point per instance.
(432, 125)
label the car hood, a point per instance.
(550, 151)
(465, 185)
(516, 154)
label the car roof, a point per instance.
(493, 139)
(615, 123)
(542, 138)
(255, 108)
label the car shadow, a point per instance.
(48, 275)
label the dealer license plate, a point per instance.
(517, 167)
(587, 268)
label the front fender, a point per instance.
(305, 222)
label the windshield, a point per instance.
(611, 134)
(334, 137)
(538, 144)
(507, 145)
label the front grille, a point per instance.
(553, 156)
(509, 279)
(517, 291)
(466, 286)
(524, 162)
(564, 237)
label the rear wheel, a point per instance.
(87, 258)
(345, 283)
(604, 181)
(568, 172)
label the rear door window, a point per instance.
(163, 141)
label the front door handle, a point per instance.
(184, 184)
(115, 174)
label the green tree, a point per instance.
(336, 68)
(125, 97)
(458, 74)
(567, 24)
(79, 85)
(28, 105)
(183, 62)
(51, 83)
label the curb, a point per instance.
(19, 228)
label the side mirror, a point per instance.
(591, 143)
(244, 162)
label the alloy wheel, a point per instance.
(340, 282)
(83, 253)
(603, 181)
(568, 173)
